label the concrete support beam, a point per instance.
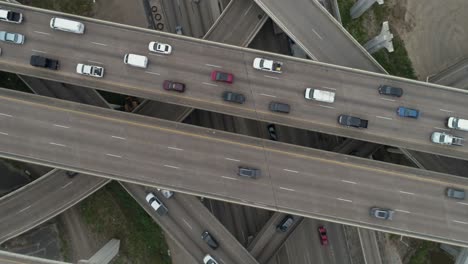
(462, 257)
(14, 258)
(361, 6)
(455, 76)
(383, 40)
(105, 254)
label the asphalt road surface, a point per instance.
(193, 60)
(200, 161)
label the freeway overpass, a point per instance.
(204, 162)
(105, 43)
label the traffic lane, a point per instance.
(334, 48)
(168, 222)
(22, 213)
(207, 222)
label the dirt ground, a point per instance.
(434, 32)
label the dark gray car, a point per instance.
(209, 239)
(280, 107)
(455, 193)
(233, 97)
(285, 224)
(248, 172)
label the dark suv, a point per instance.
(248, 172)
(389, 90)
(285, 224)
(233, 97)
(212, 243)
(71, 174)
(280, 107)
(352, 121)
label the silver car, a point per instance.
(382, 213)
(14, 38)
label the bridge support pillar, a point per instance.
(383, 40)
(105, 254)
(361, 6)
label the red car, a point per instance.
(323, 235)
(222, 76)
(174, 86)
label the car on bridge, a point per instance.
(352, 121)
(156, 204)
(455, 193)
(407, 112)
(323, 235)
(208, 259)
(209, 239)
(389, 90)
(285, 224)
(14, 38)
(382, 213)
(222, 76)
(90, 70)
(43, 62)
(11, 16)
(161, 48)
(173, 86)
(279, 107)
(233, 97)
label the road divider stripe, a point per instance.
(7, 115)
(271, 77)
(154, 73)
(24, 209)
(3, 133)
(318, 35)
(287, 189)
(403, 211)
(344, 200)
(65, 186)
(169, 166)
(112, 155)
(460, 222)
(229, 178)
(210, 84)
(351, 182)
(383, 117)
(57, 144)
(407, 192)
(269, 95)
(211, 65)
(60, 126)
(232, 159)
(100, 44)
(291, 171)
(122, 138)
(174, 148)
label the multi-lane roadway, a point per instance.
(204, 162)
(193, 60)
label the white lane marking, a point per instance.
(287, 189)
(291, 170)
(383, 117)
(169, 166)
(448, 111)
(2, 114)
(61, 126)
(174, 148)
(40, 32)
(344, 200)
(112, 155)
(460, 222)
(349, 181)
(232, 159)
(462, 203)
(3, 133)
(24, 209)
(229, 178)
(329, 88)
(97, 62)
(386, 99)
(327, 106)
(211, 84)
(185, 221)
(403, 211)
(246, 11)
(100, 44)
(154, 73)
(57, 144)
(65, 186)
(320, 37)
(211, 65)
(39, 51)
(406, 192)
(268, 95)
(122, 138)
(272, 77)
(440, 128)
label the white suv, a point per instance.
(209, 259)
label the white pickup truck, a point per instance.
(267, 65)
(90, 70)
(446, 139)
(319, 95)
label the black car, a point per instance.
(248, 172)
(285, 224)
(43, 62)
(209, 240)
(233, 97)
(71, 174)
(352, 121)
(272, 132)
(279, 107)
(389, 90)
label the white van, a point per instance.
(457, 123)
(135, 60)
(67, 25)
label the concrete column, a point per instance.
(462, 257)
(105, 254)
(361, 6)
(383, 40)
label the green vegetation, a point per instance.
(76, 7)
(396, 63)
(112, 213)
(430, 253)
(12, 81)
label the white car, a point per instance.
(90, 70)
(209, 259)
(11, 16)
(157, 205)
(160, 47)
(166, 193)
